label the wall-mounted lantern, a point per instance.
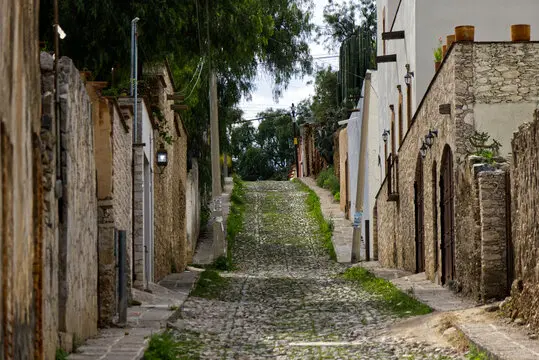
(385, 135)
(409, 75)
(162, 159)
(429, 139)
(423, 150)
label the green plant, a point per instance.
(476, 354)
(162, 126)
(438, 51)
(327, 180)
(209, 285)
(234, 222)
(337, 196)
(61, 354)
(479, 142)
(162, 346)
(392, 299)
(325, 226)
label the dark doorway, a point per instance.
(419, 217)
(447, 213)
(346, 189)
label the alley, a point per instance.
(286, 298)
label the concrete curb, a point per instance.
(481, 347)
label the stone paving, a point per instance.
(286, 300)
(343, 230)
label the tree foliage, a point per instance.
(265, 152)
(343, 20)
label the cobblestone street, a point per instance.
(286, 298)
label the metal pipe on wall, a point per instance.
(134, 75)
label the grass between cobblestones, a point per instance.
(394, 300)
(315, 211)
(167, 346)
(209, 285)
(234, 223)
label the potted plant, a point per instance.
(520, 32)
(438, 55)
(465, 33)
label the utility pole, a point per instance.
(361, 174)
(219, 246)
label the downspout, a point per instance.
(134, 75)
(134, 152)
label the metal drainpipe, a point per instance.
(134, 75)
(58, 187)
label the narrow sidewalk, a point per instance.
(343, 230)
(148, 318)
(500, 338)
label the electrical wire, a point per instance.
(196, 84)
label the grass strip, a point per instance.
(315, 211)
(209, 285)
(168, 346)
(392, 298)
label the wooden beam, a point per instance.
(445, 109)
(393, 35)
(386, 58)
(175, 97)
(179, 107)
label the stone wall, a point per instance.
(78, 266)
(21, 195)
(458, 83)
(113, 156)
(336, 154)
(192, 209)
(525, 232)
(50, 207)
(171, 249)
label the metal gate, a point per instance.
(447, 212)
(419, 217)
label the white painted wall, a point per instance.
(372, 169)
(501, 120)
(354, 143)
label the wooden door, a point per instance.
(447, 213)
(419, 218)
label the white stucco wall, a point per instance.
(354, 143)
(500, 121)
(372, 168)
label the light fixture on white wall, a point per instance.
(385, 135)
(409, 75)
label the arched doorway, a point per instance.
(419, 217)
(447, 211)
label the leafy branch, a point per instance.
(479, 141)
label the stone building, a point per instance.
(171, 249)
(440, 210)
(113, 157)
(312, 161)
(21, 192)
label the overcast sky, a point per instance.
(262, 97)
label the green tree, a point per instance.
(275, 137)
(254, 164)
(242, 138)
(343, 20)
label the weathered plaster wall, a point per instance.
(113, 156)
(192, 209)
(20, 183)
(525, 232)
(78, 239)
(343, 158)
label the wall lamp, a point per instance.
(423, 150)
(162, 159)
(429, 139)
(409, 75)
(385, 135)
